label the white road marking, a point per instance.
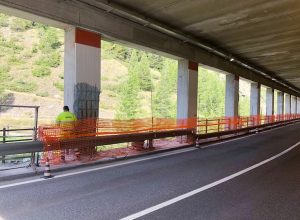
(122, 163)
(101, 168)
(206, 187)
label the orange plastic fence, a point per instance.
(100, 127)
(52, 135)
(205, 126)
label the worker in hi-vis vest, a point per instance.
(66, 121)
(66, 116)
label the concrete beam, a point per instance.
(269, 101)
(187, 90)
(232, 95)
(280, 103)
(255, 99)
(116, 27)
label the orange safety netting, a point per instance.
(100, 127)
(73, 133)
(80, 135)
(232, 123)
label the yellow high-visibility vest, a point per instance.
(66, 117)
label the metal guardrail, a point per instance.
(21, 148)
(247, 129)
(7, 138)
(37, 146)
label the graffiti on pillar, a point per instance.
(86, 104)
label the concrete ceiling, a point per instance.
(264, 33)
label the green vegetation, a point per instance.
(51, 60)
(134, 83)
(145, 78)
(4, 20)
(20, 25)
(211, 93)
(22, 86)
(244, 103)
(164, 98)
(49, 41)
(59, 86)
(43, 94)
(30, 52)
(129, 105)
(41, 71)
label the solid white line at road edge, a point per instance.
(206, 187)
(164, 154)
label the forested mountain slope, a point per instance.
(134, 83)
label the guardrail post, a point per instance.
(218, 125)
(205, 126)
(3, 141)
(34, 157)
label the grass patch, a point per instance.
(16, 48)
(22, 86)
(59, 86)
(41, 71)
(53, 60)
(20, 25)
(42, 94)
(14, 60)
(4, 22)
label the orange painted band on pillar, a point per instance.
(87, 38)
(193, 65)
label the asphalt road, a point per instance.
(270, 191)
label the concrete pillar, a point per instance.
(255, 99)
(287, 104)
(232, 95)
(82, 72)
(187, 91)
(269, 101)
(293, 105)
(280, 103)
(298, 105)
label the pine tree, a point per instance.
(143, 69)
(164, 100)
(211, 94)
(129, 105)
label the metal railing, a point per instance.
(207, 128)
(216, 125)
(8, 135)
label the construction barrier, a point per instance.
(84, 136)
(75, 141)
(205, 126)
